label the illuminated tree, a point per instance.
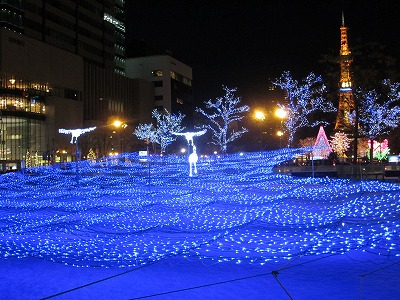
(224, 116)
(321, 148)
(166, 124)
(146, 132)
(302, 100)
(307, 142)
(36, 158)
(91, 155)
(340, 143)
(28, 163)
(378, 113)
(363, 147)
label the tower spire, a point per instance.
(343, 19)
(346, 101)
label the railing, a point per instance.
(371, 171)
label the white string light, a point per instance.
(75, 133)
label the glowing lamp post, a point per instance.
(281, 114)
(118, 125)
(280, 134)
(260, 116)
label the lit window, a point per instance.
(157, 73)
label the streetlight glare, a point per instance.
(117, 123)
(280, 113)
(259, 115)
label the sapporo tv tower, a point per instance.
(346, 100)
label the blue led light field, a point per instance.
(126, 212)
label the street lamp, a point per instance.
(118, 125)
(280, 134)
(2, 136)
(260, 116)
(281, 114)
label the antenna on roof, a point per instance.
(342, 18)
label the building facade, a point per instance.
(33, 94)
(171, 80)
(62, 65)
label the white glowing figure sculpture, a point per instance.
(75, 133)
(193, 158)
(189, 135)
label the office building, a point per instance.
(62, 65)
(171, 80)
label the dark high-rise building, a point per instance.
(62, 65)
(92, 29)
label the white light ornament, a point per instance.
(193, 158)
(76, 133)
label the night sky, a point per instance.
(245, 43)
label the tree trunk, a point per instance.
(371, 151)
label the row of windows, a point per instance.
(174, 75)
(21, 138)
(72, 26)
(65, 8)
(157, 73)
(14, 87)
(10, 17)
(31, 104)
(10, 82)
(81, 45)
(180, 78)
(115, 106)
(119, 62)
(13, 3)
(119, 49)
(116, 22)
(120, 71)
(71, 10)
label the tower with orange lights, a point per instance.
(346, 100)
